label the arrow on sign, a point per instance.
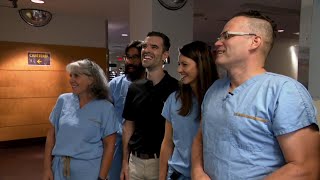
(39, 61)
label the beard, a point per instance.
(134, 72)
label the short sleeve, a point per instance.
(56, 111)
(167, 107)
(110, 124)
(294, 109)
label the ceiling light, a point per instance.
(296, 33)
(37, 1)
(280, 30)
(124, 35)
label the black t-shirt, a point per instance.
(143, 105)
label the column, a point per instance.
(314, 64)
(304, 41)
(309, 57)
(149, 15)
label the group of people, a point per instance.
(145, 124)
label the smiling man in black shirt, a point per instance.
(143, 129)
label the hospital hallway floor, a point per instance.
(21, 159)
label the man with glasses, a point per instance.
(119, 87)
(255, 124)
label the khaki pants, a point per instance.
(143, 169)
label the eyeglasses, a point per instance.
(133, 57)
(229, 34)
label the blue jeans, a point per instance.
(115, 169)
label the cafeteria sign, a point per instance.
(39, 58)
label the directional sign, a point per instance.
(39, 58)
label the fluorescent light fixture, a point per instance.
(37, 1)
(280, 30)
(124, 35)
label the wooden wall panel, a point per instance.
(32, 84)
(25, 111)
(28, 93)
(23, 132)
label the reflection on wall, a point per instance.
(294, 60)
(283, 57)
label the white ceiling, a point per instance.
(209, 15)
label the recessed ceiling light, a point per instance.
(296, 33)
(124, 35)
(280, 30)
(37, 1)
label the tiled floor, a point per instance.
(21, 159)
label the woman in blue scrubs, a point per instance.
(182, 110)
(80, 141)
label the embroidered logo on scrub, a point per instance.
(251, 117)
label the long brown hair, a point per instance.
(199, 52)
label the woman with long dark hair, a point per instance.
(182, 109)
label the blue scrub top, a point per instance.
(119, 88)
(79, 132)
(240, 130)
(184, 130)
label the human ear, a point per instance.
(165, 55)
(256, 42)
